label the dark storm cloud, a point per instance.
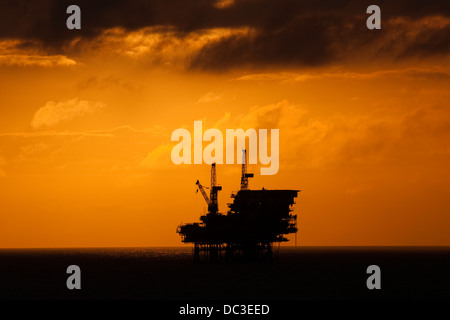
(287, 32)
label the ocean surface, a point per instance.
(171, 274)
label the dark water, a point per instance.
(170, 273)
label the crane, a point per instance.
(212, 202)
(202, 190)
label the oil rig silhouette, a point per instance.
(255, 221)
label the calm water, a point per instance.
(170, 273)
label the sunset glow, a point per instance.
(86, 119)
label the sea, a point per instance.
(296, 273)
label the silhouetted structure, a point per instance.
(256, 219)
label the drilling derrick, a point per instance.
(213, 207)
(245, 175)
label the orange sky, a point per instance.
(85, 139)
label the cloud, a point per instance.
(285, 33)
(122, 131)
(162, 45)
(40, 61)
(283, 114)
(27, 54)
(210, 97)
(222, 4)
(55, 112)
(422, 73)
(158, 158)
(273, 116)
(120, 151)
(103, 83)
(386, 135)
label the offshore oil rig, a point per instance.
(255, 221)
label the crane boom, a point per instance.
(202, 190)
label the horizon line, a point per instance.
(187, 246)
